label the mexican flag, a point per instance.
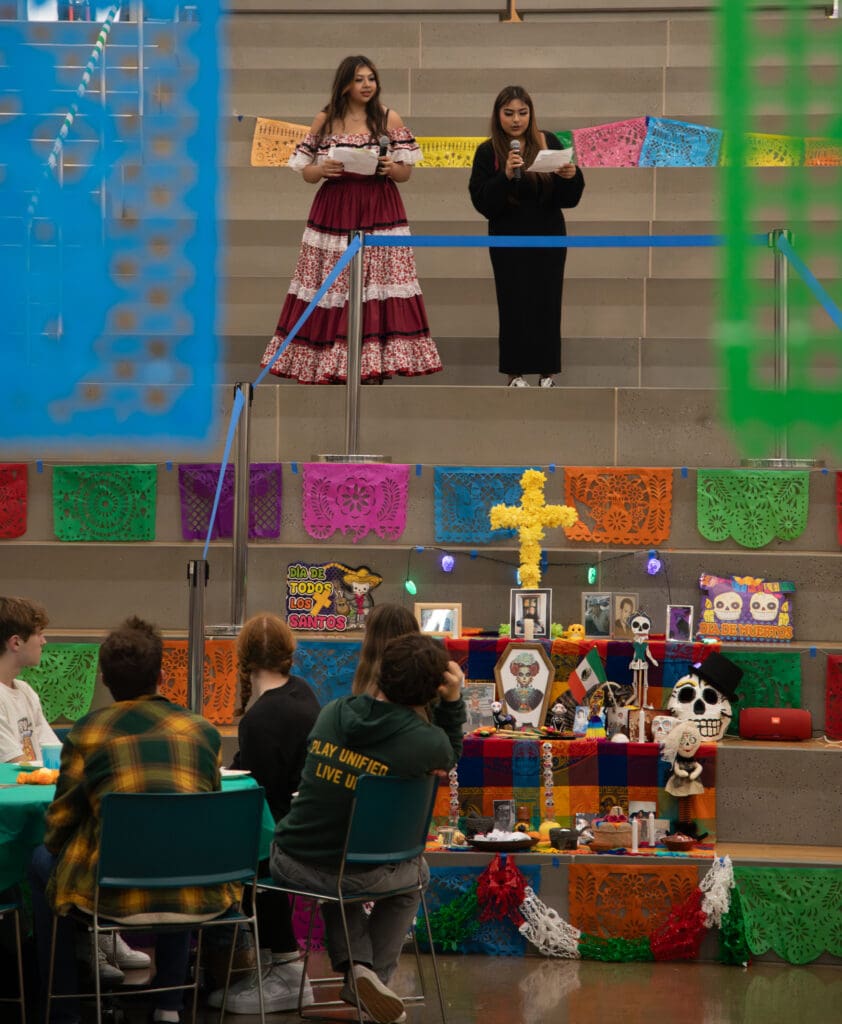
(588, 674)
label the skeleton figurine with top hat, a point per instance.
(705, 694)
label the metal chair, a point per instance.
(389, 820)
(188, 839)
(13, 910)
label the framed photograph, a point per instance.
(596, 614)
(439, 619)
(479, 695)
(624, 607)
(530, 604)
(524, 675)
(504, 815)
(679, 622)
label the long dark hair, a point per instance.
(532, 141)
(337, 105)
(384, 623)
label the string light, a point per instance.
(653, 565)
(410, 586)
(591, 574)
(447, 562)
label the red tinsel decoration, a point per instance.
(680, 936)
(500, 890)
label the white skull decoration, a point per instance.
(694, 700)
(764, 607)
(728, 607)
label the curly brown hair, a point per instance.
(265, 642)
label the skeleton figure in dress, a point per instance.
(641, 626)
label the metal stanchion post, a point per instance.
(354, 361)
(782, 458)
(197, 577)
(239, 560)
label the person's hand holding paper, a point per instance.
(551, 160)
(355, 161)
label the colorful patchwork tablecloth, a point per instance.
(589, 777)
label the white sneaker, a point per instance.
(518, 382)
(247, 980)
(127, 959)
(280, 991)
(347, 996)
(379, 1002)
(107, 971)
(546, 382)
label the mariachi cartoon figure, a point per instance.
(358, 586)
(641, 626)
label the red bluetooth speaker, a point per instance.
(775, 724)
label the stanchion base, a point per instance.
(782, 463)
(352, 458)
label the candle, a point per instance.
(528, 629)
(635, 830)
(641, 726)
(651, 828)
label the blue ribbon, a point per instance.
(812, 282)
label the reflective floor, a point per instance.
(502, 990)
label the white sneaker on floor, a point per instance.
(347, 996)
(518, 382)
(246, 980)
(280, 991)
(379, 1002)
(546, 382)
(127, 959)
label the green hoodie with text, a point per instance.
(356, 736)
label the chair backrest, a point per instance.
(390, 816)
(174, 840)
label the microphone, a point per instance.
(514, 146)
(383, 142)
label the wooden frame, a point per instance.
(679, 626)
(439, 618)
(536, 673)
(596, 613)
(621, 615)
(538, 604)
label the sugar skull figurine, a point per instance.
(641, 625)
(704, 696)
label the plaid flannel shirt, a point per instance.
(146, 745)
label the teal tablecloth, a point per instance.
(22, 821)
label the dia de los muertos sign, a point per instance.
(329, 598)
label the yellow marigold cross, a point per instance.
(529, 519)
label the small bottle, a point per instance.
(524, 818)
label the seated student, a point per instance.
(280, 710)
(391, 730)
(139, 744)
(23, 727)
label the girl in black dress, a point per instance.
(519, 202)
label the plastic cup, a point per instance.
(51, 755)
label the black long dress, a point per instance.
(529, 282)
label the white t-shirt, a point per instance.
(23, 727)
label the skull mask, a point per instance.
(693, 700)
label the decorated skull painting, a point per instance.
(745, 608)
